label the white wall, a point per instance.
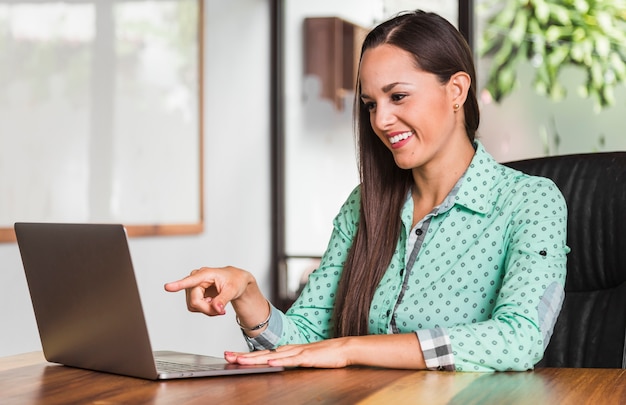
(237, 197)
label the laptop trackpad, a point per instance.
(188, 358)
(177, 365)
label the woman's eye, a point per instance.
(370, 106)
(397, 97)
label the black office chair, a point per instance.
(591, 329)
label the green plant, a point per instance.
(551, 34)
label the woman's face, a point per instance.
(411, 111)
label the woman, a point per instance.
(441, 258)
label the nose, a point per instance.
(382, 117)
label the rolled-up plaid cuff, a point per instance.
(270, 336)
(436, 349)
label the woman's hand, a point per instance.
(208, 290)
(331, 353)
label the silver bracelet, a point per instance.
(257, 327)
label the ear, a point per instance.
(458, 87)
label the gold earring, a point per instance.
(456, 107)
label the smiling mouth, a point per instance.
(400, 137)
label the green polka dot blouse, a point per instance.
(480, 279)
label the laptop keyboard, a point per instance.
(173, 367)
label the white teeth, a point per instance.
(400, 137)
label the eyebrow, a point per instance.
(386, 88)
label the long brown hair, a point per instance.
(439, 49)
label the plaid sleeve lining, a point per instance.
(270, 336)
(436, 349)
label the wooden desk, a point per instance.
(28, 379)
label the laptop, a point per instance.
(88, 309)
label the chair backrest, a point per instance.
(591, 329)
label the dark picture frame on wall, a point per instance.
(281, 295)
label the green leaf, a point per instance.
(581, 6)
(557, 92)
(553, 33)
(542, 11)
(609, 95)
(506, 80)
(605, 21)
(578, 35)
(505, 17)
(558, 55)
(603, 46)
(596, 75)
(505, 54)
(518, 32)
(618, 65)
(560, 14)
(577, 52)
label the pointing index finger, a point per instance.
(174, 286)
(187, 282)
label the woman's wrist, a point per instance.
(259, 326)
(350, 349)
(253, 310)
